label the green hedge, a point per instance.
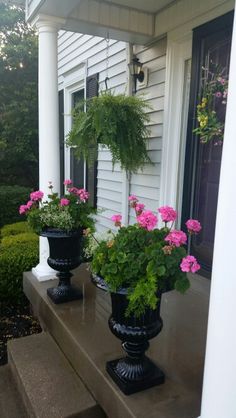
(15, 229)
(25, 237)
(11, 197)
(18, 253)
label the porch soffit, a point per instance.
(127, 20)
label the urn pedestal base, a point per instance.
(64, 292)
(127, 385)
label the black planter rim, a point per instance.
(56, 232)
(101, 284)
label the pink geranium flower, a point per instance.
(168, 214)
(176, 238)
(67, 182)
(193, 226)
(116, 219)
(23, 209)
(64, 202)
(38, 195)
(147, 220)
(133, 200)
(29, 204)
(73, 190)
(189, 264)
(83, 195)
(139, 208)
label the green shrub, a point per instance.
(25, 237)
(17, 254)
(15, 229)
(11, 197)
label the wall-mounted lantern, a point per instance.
(135, 68)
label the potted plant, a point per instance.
(116, 122)
(63, 221)
(136, 266)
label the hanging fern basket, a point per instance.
(116, 122)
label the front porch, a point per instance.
(81, 329)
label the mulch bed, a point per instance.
(15, 321)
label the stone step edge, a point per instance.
(10, 398)
(94, 410)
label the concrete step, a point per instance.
(11, 405)
(47, 383)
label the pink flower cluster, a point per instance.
(24, 208)
(82, 193)
(189, 264)
(147, 220)
(67, 182)
(35, 196)
(133, 200)
(64, 202)
(168, 214)
(176, 238)
(116, 219)
(193, 226)
(139, 207)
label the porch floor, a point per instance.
(81, 331)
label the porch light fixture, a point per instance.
(135, 68)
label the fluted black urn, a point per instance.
(65, 254)
(135, 371)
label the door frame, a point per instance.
(179, 49)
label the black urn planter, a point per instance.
(65, 254)
(135, 371)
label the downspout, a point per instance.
(125, 174)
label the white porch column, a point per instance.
(49, 157)
(218, 398)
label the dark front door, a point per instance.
(211, 54)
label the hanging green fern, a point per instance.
(117, 122)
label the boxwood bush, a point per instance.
(11, 197)
(18, 253)
(14, 229)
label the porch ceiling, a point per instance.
(128, 20)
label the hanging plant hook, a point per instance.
(106, 80)
(107, 58)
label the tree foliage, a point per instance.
(18, 99)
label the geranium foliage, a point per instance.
(146, 260)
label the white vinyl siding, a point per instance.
(146, 184)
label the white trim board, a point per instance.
(177, 54)
(73, 81)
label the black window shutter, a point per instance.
(91, 170)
